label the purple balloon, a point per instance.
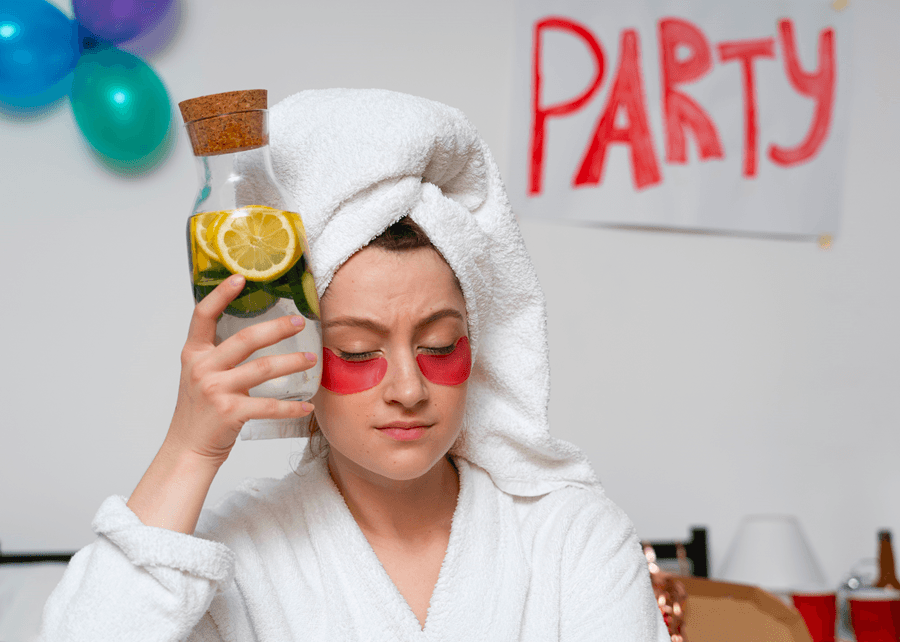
(119, 20)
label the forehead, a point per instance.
(384, 282)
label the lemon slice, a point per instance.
(298, 224)
(257, 242)
(201, 228)
(300, 229)
(202, 263)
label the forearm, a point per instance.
(172, 491)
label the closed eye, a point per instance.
(357, 356)
(440, 351)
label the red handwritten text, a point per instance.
(682, 115)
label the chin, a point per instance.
(407, 465)
(400, 462)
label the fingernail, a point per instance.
(307, 407)
(298, 320)
(310, 356)
(236, 280)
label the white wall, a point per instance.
(706, 376)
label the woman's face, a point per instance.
(395, 306)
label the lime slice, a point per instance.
(252, 304)
(309, 292)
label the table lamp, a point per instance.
(771, 552)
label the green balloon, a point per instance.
(120, 104)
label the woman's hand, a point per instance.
(213, 404)
(213, 401)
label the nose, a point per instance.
(405, 383)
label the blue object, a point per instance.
(38, 47)
(120, 104)
(116, 21)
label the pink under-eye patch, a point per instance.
(346, 377)
(448, 369)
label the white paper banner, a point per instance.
(696, 114)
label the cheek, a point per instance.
(448, 370)
(346, 377)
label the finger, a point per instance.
(263, 369)
(208, 311)
(268, 408)
(238, 347)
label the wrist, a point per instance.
(190, 459)
(172, 491)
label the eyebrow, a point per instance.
(368, 324)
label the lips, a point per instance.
(404, 430)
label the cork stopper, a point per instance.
(223, 123)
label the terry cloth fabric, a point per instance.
(355, 161)
(285, 560)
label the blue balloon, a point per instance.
(38, 46)
(120, 104)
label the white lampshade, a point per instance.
(771, 552)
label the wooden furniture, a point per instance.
(724, 612)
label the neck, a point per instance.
(391, 509)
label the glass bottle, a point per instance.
(244, 223)
(887, 571)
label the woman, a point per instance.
(432, 503)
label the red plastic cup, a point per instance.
(875, 620)
(819, 611)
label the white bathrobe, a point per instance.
(288, 562)
(537, 551)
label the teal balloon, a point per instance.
(38, 47)
(120, 104)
